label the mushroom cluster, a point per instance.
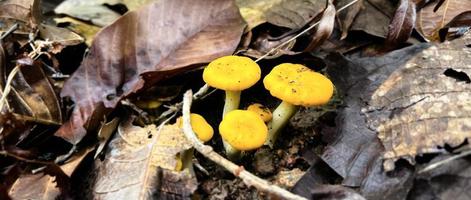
(245, 130)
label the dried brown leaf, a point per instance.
(425, 104)
(347, 17)
(144, 47)
(59, 36)
(294, 14)
(134, 162)
(402, 24)
(325, 27)
(104, 134)
(32, 94)
(48, 185)
(254, 11)
(374, 19)
(26, 13)
(97, 11)
(87, 31)
(461, 21)
(430, 22)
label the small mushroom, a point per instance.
(232, 74)
(200, 126)
(203, 131)
(244, 131)
(296, 85)
(261, 110)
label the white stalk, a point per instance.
(281, 117)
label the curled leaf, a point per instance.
(325, 27)
(402, 24)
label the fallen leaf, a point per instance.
(139, 163)
(253, 12)
(325, 27)
(430, 22)
(449, 181)
(402, 24)
(59, 36)
(151, 44)
(93, 11)
(294, 14)
(87, 31)
(26, 13)
(374, 18)
(32, 94)
(461, 21)
(104, 134)
(49, 184)
(96, 11)
(346, 17)
(425, 104)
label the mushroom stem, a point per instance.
(232, 153)
(232, 101)
(281, 117)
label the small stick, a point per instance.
(238, 171)
(445, 161)
(9, 31)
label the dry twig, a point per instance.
(238, 171)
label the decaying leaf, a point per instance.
(459, 23)
(402, 24)
(87, 31)
(32, 94)
(104, 134)
(294, 14)
(374, 19)
(26, 13)
(425, 104)
(96, 11)
(140, 163)
(325, 27)
(451, 180)
(430, 22)
(346, 18)
(59, 36)
(151, 44)
(51, 183)
(254, 11)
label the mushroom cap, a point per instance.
(261, 110)
(200, 126)
(298, 85)
(244, 130)
(233, 73)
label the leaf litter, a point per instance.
(348, 149)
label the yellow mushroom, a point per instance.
(296, 85)
(261, 110)
(203, 131)
(232, 74)
(200, 126)
(243, 130)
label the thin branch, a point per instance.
(238, 171)
(445, 161)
